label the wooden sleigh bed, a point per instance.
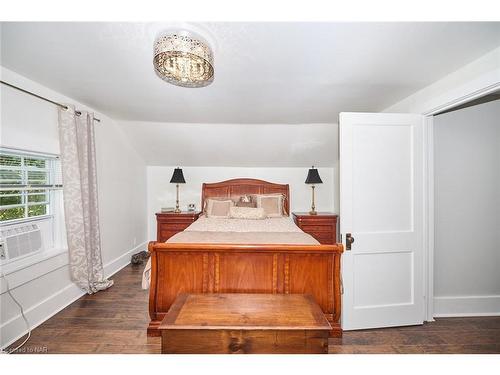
(244, 268)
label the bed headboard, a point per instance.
(242, 186)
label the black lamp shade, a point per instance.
(177, 177)
(313, 177)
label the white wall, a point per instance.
(467, 211)
(44, 287)
(478, 75)
(234, 145)
(122, 194)
(162, 194)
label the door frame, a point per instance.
(429, 225)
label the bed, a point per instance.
(244, 256)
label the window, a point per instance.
(26, 182)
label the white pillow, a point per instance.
(247, 213)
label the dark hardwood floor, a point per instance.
(115, 321)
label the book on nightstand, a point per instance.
(167, 209)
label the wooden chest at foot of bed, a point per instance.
(178, 268)
(244, 324)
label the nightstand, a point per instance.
(170, 223)
(323, 226)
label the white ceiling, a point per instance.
(265, 72)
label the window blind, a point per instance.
(26, 182)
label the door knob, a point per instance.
(349, 239)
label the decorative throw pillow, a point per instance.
(218, 208)
(205, 204)
(246, 204)
(253, 213)
(246, 201)
(246, 198)
(272, 204)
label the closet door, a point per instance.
(381, 209)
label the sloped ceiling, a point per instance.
(240, 145)
(278, 87)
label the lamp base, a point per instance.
(313, 206)
(177, 209)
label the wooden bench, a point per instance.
(244, 323)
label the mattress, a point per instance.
(272, 231)
(244, 231)
(275, 224)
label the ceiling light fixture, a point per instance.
(183, 59)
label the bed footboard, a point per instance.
(242, 268)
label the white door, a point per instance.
(381, 206)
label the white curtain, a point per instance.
(78, 160)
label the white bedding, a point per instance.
(280, 230)
(276, 224)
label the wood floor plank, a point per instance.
(115, 321)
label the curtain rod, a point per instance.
(78, 113)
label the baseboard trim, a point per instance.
(15, 328)
(462, 306)
(465, 315)
(122, 261)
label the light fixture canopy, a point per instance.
(183, 59)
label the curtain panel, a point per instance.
(81, 209)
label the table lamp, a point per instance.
(312, 179)
(177, 178)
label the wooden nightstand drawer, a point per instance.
(316, 228)
(170, 223)
(324, 238)
(177, 220)
(174, 226)
(166, 234)
(323, 226)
